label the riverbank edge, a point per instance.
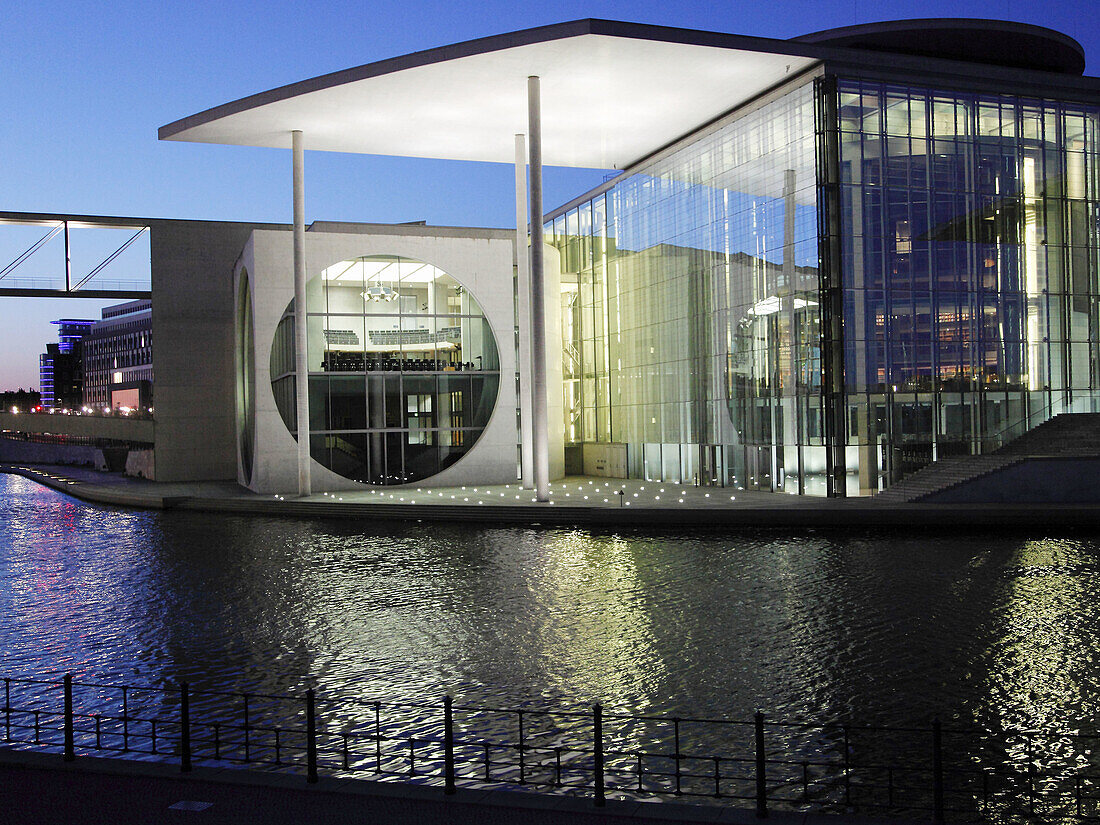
(825, 513)
(40, 784)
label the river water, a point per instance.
(886, 627)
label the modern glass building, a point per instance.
(820, 265)
(118, 358)
(837, 285)
(691, 307)
(60, 373)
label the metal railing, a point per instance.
(919, 771)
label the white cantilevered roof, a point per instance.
(612, 93)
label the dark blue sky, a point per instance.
(86, 84)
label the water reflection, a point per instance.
(873, 627)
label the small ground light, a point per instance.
(680, 500)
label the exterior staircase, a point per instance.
(1076, 434)
(1068, 434)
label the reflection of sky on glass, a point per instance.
(653, 210)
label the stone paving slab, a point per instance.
(574, 502)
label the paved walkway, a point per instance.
(573, 501)
(41, 789)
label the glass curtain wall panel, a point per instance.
(969, 226)
(403, 369)
(690, 308)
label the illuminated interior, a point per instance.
(403, 369)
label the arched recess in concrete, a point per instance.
(246, 378)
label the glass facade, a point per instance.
(969, 271)
(403, 369)
(690, 308)
(825, 292)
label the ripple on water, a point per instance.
(826, 625)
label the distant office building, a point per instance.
(118, 357)
(20, 399)
(60, 370)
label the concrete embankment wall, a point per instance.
(1054, 480)
(137, 463)
(15, 451)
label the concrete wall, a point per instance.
(1032, 481)
(141, 464)
(192, 283)
(14, 451)
(89, 426)
(481, 260)
(604, 460)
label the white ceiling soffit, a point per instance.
(607, 99)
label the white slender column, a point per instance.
(301, 339)
(523, 317)
(540, 434)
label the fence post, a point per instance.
(520, 749)
(70, 753)
(247, 739)
(448, 747)
(847, 769)
(311, 737)
(597, 755)
(937, 771)
(761, 768)
(185, 729)
(125, 720)
(675, 755)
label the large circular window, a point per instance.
(403, 369)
